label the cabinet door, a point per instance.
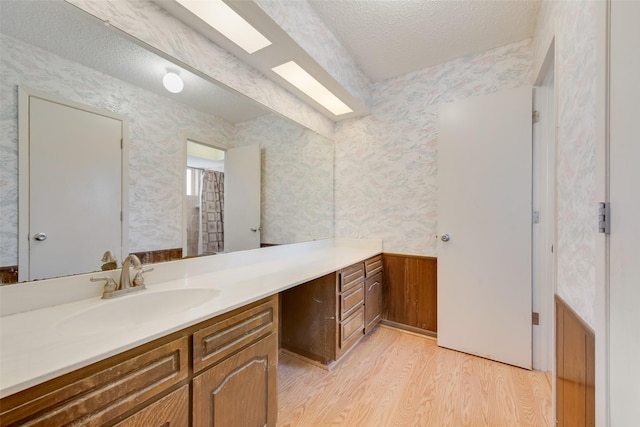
(372, 302)
(241, 390)
(170, 411)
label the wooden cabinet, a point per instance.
(350, 296)
(229, 334)
(241, 390)
(239, 384)
(324, 318)
(309, 319)
(103, 392)
(232, 373)
(373, 303)
(170, 411)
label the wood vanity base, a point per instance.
(324, 318)
(231, 359)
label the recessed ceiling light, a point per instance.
(173, 83)
(225, 20)
(297, 76)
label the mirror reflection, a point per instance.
(52, 48)
(204, 194)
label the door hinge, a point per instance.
(535, 217)
(121, 144)
(535, 318)
(535, 116)
(604, 217)
(121, 216)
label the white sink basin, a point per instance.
(128, 311)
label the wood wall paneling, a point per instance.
(162, 255)
(8, 274)
(410, 290)
(575, 366)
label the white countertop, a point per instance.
(38, 342)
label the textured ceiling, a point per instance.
(59, 28)
(389, 38)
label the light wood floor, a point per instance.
(394, 378)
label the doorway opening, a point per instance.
(204, 196)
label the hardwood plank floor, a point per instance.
(395, 378)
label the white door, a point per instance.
(242, 198)
(75, 161)
(484, 197)
(624, 255)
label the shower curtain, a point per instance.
(212, 207)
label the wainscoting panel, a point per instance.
(162, 255)
(9, 274)
(410, 290)
(575, 364)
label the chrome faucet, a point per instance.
(126, 285)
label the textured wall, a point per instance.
(574, 26)
(386, 163)
(297, 179)
(158, 128)
(146, 21)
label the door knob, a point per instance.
(445, 237)
(255, 229)
(40, 237)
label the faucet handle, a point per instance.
(110, 286)
(138, 279)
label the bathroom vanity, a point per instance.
(324, 318)
(202, 348)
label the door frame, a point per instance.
(545, 188)
(185, 220)
(24, 93)
(601, 300)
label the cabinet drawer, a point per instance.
(373, 266)
(103, 392)
(350, 300)
(351, 277)
(352, 328)
(227, 336)
(170, 411)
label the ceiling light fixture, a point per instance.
(225, 20)
(297, 76)
(173, 83)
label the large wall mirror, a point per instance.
(53, 48)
